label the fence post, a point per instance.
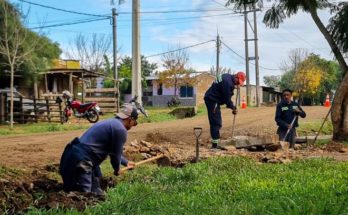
(35, 110)
(22, 109)
(48, 111)
(60, 113)
(6, 108)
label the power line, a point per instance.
(63, 10)
(177, 11)
(184, 18)
(272, 69)
(187, 47)
(69, 23)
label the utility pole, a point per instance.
(248, 58)
(246, 55)
(218, 45)
(116, 82)
(256, 60)
(136, 60)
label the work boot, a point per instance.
(216, 146)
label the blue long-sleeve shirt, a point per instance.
(285, 114)
(107, 138)
(221, 91)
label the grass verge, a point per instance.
(310, 128)
(229, 185)
(40, 128)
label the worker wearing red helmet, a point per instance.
(220, 93)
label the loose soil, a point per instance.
(37, 156)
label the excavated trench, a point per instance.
(39, 190)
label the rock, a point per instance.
(145, 143)
(134, 143)
(153, 153)
(144, 149)
(145, 155)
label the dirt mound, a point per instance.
(42, 192)
(334, 147)
(157, 138)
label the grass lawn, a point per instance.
(229, 185)
(310, 128)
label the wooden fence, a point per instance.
(105, 97)
(31, 110)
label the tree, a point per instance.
(16, 44)
(125, 72)
(272, 80)
(335, 35)
(295, 57)
(222, 70)
(307, 79)
(90, 50)
(176, 71)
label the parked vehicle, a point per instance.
(89, 111)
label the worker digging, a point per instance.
(286, 116)
(79, 165)
(220, 93)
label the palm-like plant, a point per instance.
(336, 35)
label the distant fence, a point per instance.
(30, 110)
(105, 97)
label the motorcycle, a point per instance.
(89, 111)
(139, 107)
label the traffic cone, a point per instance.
(244, 105)
(327, 101)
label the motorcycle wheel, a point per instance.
(65, 118)
(92, 116)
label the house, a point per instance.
(65, 75)
(156, 94)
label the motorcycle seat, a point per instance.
(85, 105)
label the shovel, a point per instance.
(234, 116)
(143, 162)
(283, 143)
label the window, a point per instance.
(160, 90)
(186, 91)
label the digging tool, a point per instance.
(322, 125)
(143, 162)
(234, 116)
(198, 132)
(289, 129)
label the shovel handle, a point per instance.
(143, 162)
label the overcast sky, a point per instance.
(163, 31)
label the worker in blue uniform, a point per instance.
(79, 165)
(220, 93)
(287, 111)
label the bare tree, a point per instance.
(176, 70)
(90, 50)
(222, 70)
(14, 43)
(295, 57)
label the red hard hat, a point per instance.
(241, 77)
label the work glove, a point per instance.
(297, 111)
(234, 110)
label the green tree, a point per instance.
(22, 50)
(335, 35)
(125, 72)
(272, 80)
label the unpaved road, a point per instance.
(27, 152)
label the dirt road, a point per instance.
(38, 150)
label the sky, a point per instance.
(161, 32)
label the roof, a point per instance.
(78, 72)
